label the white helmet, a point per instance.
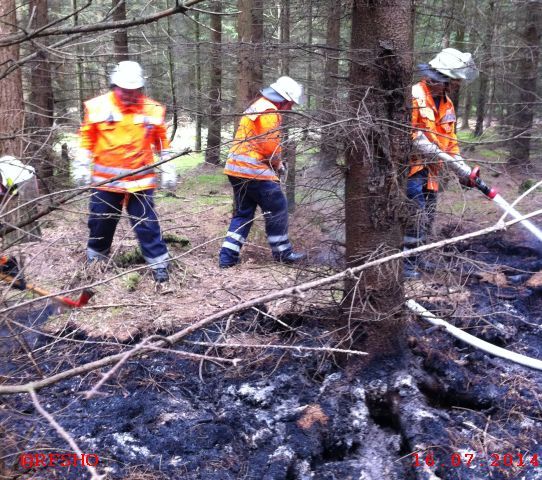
(289, 89)
(455, 64)
(128, 75)
(13, 172)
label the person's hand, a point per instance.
(81, 168)
(169, 177)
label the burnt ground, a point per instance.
(280, 414)
(298, 415)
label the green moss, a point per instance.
(530, 182)
(132, 281)
(130, 258)
(171, 238)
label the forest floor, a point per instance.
(284, 414)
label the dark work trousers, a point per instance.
(426, 205)
(248, 195)
(105, 211)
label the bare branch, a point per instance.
(64, 434)
(96, 27)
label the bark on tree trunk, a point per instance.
(467, 111)
(11, 88)
(197, 81)
(78, 67)
(171, 75)
(120, 38)
(212, 153)
(288, 147)
(250, 61)
(459, 44)
(310, 39)
(330, 136)
(377, 157)
(524, 112)
(485, 66)
(41, 103)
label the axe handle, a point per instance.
(38, 290)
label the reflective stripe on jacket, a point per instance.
(438, 125)
(123, 138)
(255, 153)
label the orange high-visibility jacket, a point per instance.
(437, 125)
(122, 138)
(255, 153)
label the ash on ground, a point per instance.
(457, 412)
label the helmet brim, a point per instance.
(426, 71)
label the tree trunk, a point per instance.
(310, 39)
(198, 86)
(288, 147)
(120, 37)
(212, 153)
(171, 75)
(459, 44)
(467, 111)
(528, 65)
(250, 59)
(79, 68)
(376, 155)
(41, 103)
(330, 136)
(485, 67)
(11, 87)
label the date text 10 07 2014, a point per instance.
(473, 460)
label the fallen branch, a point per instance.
(298, 348)
(55, 205)
(290, 291)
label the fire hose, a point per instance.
(470, 177)
(472, 340)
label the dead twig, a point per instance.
(264, 346)
(63, 433)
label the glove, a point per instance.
(281, 169)
(81, 168)
(168, 179)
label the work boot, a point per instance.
(160, 275)
(291, 257)
(223, 264)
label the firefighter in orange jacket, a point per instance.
(434, 141)
(253, 166)
(121, 131)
